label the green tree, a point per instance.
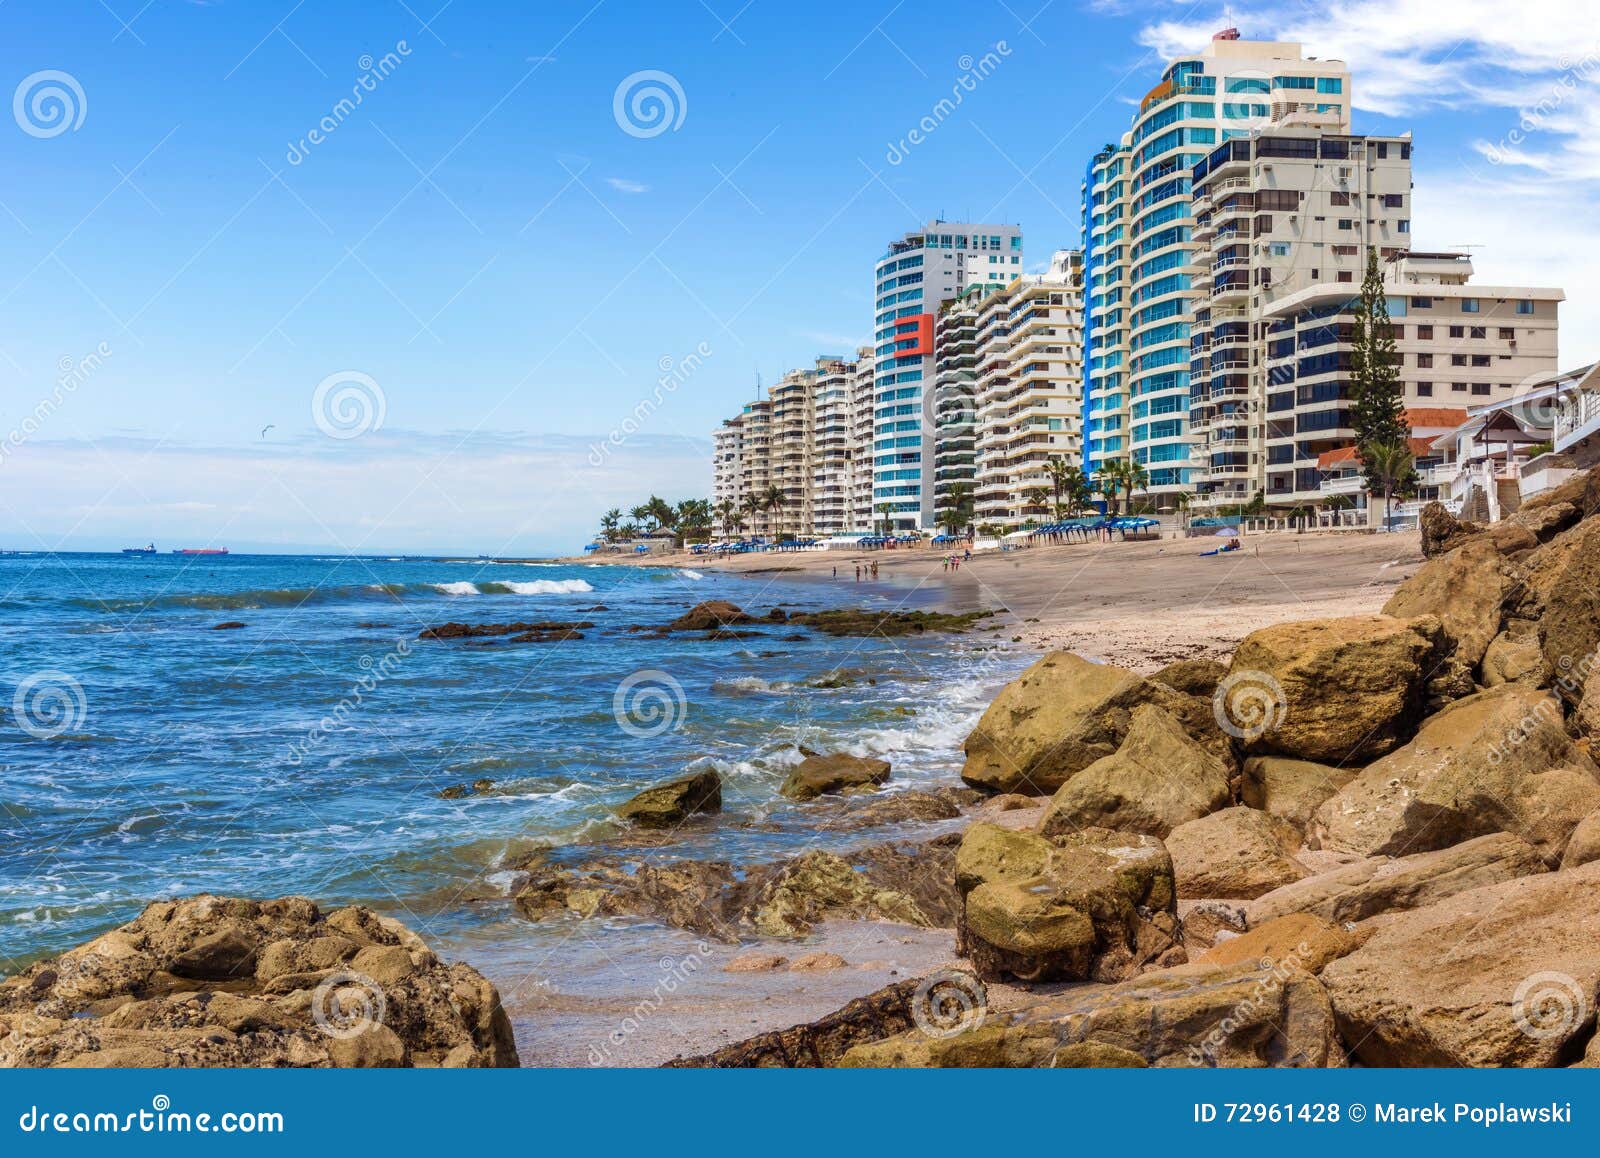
(885, 509)
(1377, 403)
(1134, 477)
(610, 524)
(693, 518)
(957, 513)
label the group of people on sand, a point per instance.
(952, 561)
(869, 569)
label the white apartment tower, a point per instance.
(1029, 370)
(1139, 222)
(912, 280)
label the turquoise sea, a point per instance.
(146, 753)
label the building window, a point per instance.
(1424, 333)
(1422, 303)
(1458, 331)
(1524, 306)
(1346, 275)
(1469, 305)
(1507, 334)
(1330, 85)
(1346, 223)
(1458, 359)
(1424, 389)
(1403, 225)
(1480, 387)
(1478, 332)
(1480, 359)
(1424, 361)
(1338, 198)
(1393, 200)
(1459, 387)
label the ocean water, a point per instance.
(146, 754)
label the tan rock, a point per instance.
(1584, 846)
(1158, 779)
(817, 963)
(1237, 853)
(1514, 657)
(1195, 1015)
(818, 775)
(1194, 677)
(1587, 716)
(1302, 940)
(755, 963)
(1465, 589)
(1094, 904)
(1063, 714)
(1377, 885)
(225, 981)
(1292, 790)
(1561, 590)
(1205, 924)
(670, 804)
(1337, 691)
(1499, 761)
(1498, 976)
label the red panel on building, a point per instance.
(917, 329)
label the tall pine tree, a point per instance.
(1377, 404)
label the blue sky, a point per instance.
(508, 269)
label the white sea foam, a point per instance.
(550, 587)
(460, 588)
(685, 573)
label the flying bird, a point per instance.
(266, 428)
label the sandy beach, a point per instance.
(1138, 604)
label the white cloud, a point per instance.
(623, 185)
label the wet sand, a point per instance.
(1141, 604)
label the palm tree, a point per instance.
(1390, 463)
(640, 515)
(1134, 477)
(772, 500)
(1109, 482)
(727, 513)
(1066, 480)
(692, 518)
(885, 509)
(957, 514)
(610, 522)
(1036, 497)
(660, 513)
(753, 507)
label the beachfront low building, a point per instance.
(1028, 344)
(1459, 345)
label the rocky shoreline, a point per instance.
(1363, 840)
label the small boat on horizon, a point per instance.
(150, 550)
(200, 550)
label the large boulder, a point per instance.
(1375, 885)
(1465, 590)
(670, 804)
(1499, 761)
(1243, 1015)
(819, 775)
(1338, 691)
(1586, 718)
(1194, 677)
(1063, 714)
(1238, 853)
(1158, 779)
(1087, 905)
(223, 981)
(1561, 589)
(1499, 976)
(1292, 790)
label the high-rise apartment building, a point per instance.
(912, 280)
(1138, 221)
(1275, 213)
(1029, 372)
(862, 425)
(955, 399)
(833, 446)
(791, 453)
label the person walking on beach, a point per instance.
(836, 572)
(858, 572)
